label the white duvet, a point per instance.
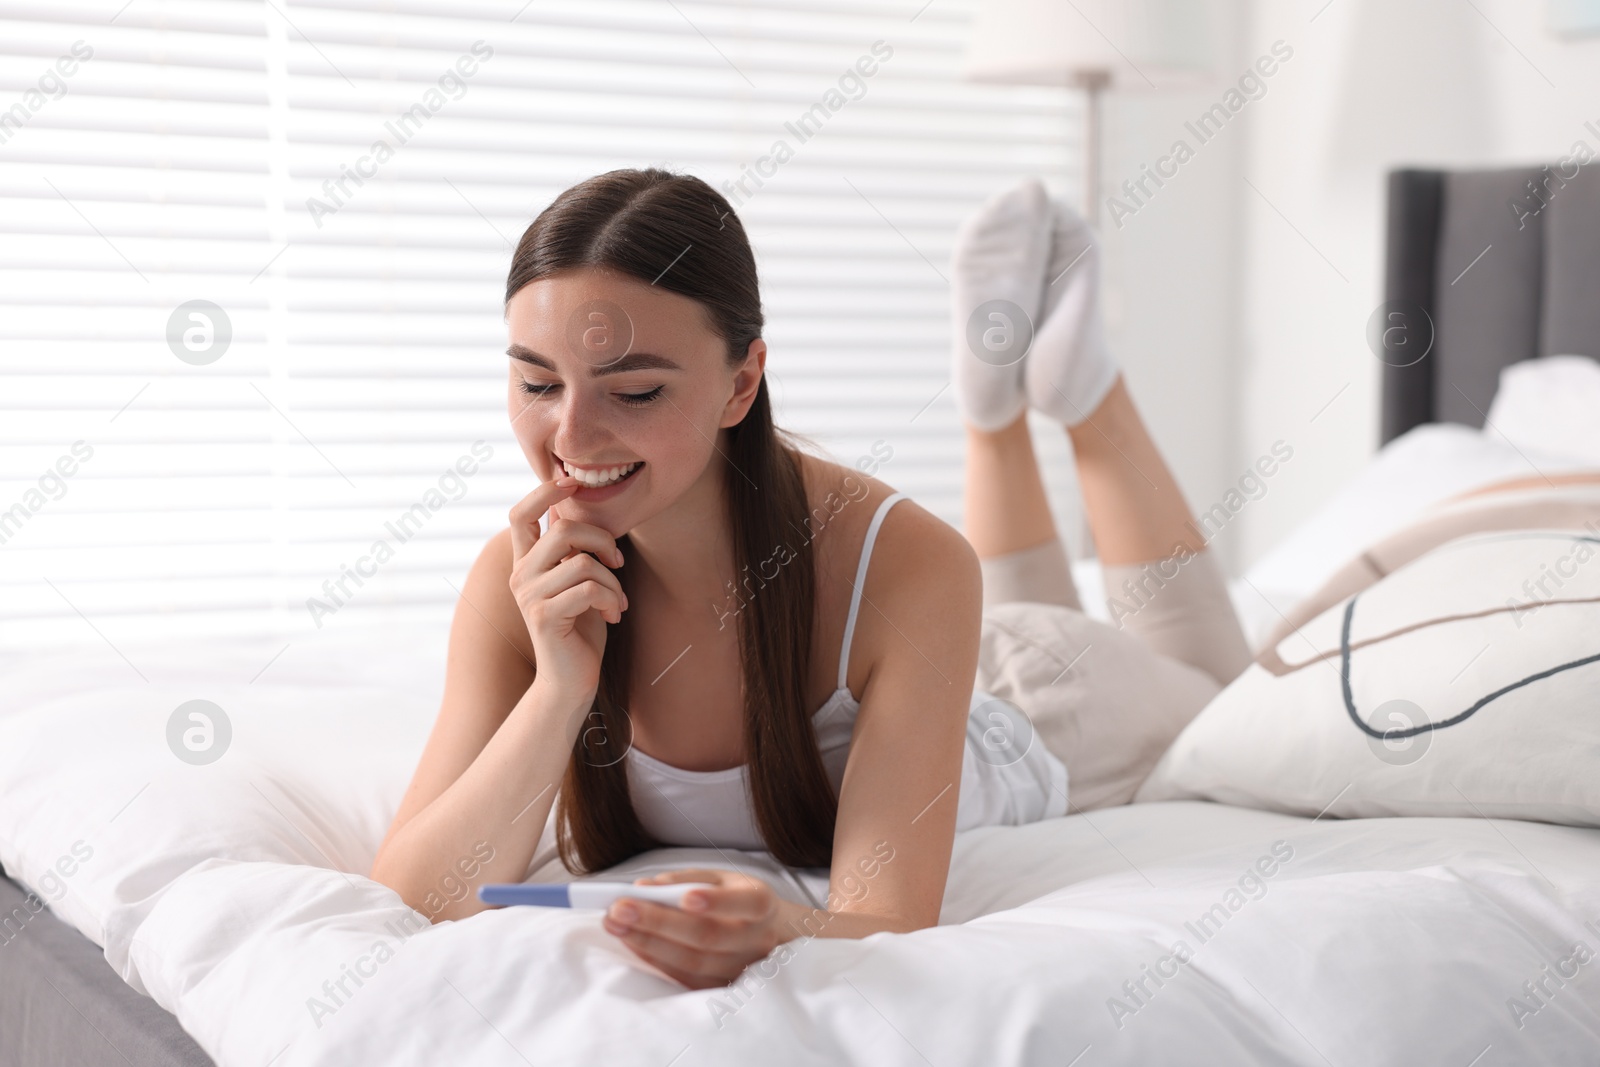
(1155, 933)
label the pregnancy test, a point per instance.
(586, 894)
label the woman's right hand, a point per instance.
(566, 595)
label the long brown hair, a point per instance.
(677, 232)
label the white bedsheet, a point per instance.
(1377, 942)
(232, 894)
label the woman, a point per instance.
(699, 592)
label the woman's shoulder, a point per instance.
(911, 540)
(922, 581)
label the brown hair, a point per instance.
(675, 231)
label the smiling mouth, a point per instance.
(601, 477)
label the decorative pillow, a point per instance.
(1466, 682)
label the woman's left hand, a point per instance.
(713, 938)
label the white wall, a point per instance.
(1373, 84)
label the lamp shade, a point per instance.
(1132, 44)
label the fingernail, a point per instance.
(626, 914)
(695, 902)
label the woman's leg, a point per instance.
(1136, 511)
(1007, 519)
(1105, 700)
(1151, 553)
(1161, 581)
(999, 258)
(1162, 584)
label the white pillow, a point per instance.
(1495, 613)
(1550, 405)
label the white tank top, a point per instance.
(1008, 777)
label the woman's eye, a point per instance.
(641, 398)
(539, 389)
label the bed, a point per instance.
(214, 913)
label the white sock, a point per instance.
(1069, 369)
(999, 255)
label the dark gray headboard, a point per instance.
(1534, 292)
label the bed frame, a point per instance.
(1535, 292)
(1504, 265)
(61, 1003)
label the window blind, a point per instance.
(254, 251)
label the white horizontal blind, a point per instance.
(202, 150)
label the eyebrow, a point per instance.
(631, 362)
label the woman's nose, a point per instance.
(582, 431)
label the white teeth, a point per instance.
(597, 478)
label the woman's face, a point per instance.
(610, 372)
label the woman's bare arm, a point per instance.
(484, 787)
(919, 623)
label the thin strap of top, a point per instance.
(861, 577)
